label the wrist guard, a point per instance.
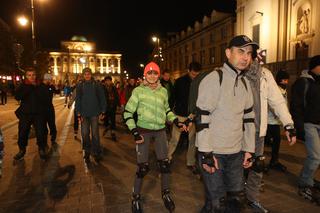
(136, 134)
(258, 164)
(292, 131)
(188, 121)
(207, 158)
(177, 122)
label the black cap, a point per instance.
(314, 61)
(242, 41)
(282, 74)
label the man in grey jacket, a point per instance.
(225, 124)
(90, 105)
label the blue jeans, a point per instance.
(90, 124)
(228, 178)
(312, 162)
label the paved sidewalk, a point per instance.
(65, 184)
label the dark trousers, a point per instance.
(24, 126)
(3, 97)
(110, 119)
(273, 133)
(51, 120)
(75, 121)
(228, 178)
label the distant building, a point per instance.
(288, 29)
(205, 42)
(79, 53)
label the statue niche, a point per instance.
(303, 19)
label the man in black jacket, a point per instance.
(180, 108)
(31, 112)
(305, 110)
(50, 90)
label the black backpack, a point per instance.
(194, 89)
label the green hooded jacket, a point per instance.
(151, 106)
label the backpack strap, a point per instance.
(244, 83)
(306, 87)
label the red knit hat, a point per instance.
(151, 66)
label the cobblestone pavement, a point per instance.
(64, 184)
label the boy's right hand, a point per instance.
(137, 137)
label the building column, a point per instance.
(119, 68)
(101, 65)
(55, 68)
(107, 64)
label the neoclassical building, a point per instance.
(204, 42)
(79, 53)
(288, 29)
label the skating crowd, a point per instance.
(226, 115)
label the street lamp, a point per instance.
(24, 21)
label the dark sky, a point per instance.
(115, 25)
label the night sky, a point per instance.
(123, 26)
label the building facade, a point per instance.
(205, 43)
(288, 29)
(79, 53)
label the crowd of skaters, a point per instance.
(238, 107)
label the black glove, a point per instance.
(177, 122)
(258, 164)
(207, 158)
(188, 121)
(292, 131)
(136, 135)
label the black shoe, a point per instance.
(75, 134)
(20, 154)
(208, 208)
(42, 153)
(310, 193)
(113, 137)
(194, 169)
(316, 184)
(86, 157)
(136, 204)
(167, 200)
(257, 207)
(278, 166)
(97, 158)
(54, 145)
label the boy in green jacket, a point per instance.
(150, 101)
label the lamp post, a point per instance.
(158, 55)
(24, 21)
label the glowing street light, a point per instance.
(141, 65)
(22, 20)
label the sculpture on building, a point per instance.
(303, 22)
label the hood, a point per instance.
(305, 74)
(146, 84)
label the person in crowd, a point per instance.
(265, 93)
(167, 83)
(70, 103)
(90, 106)
(112, 98)
(180, 107)
(32, 111)
(50, 89)
(67, 93)
(4, 91)
(225, 129)
(305, 110)
(273, 136)
(150, 101)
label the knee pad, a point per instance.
(237, 199)
(164, 166)
(143, 169)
